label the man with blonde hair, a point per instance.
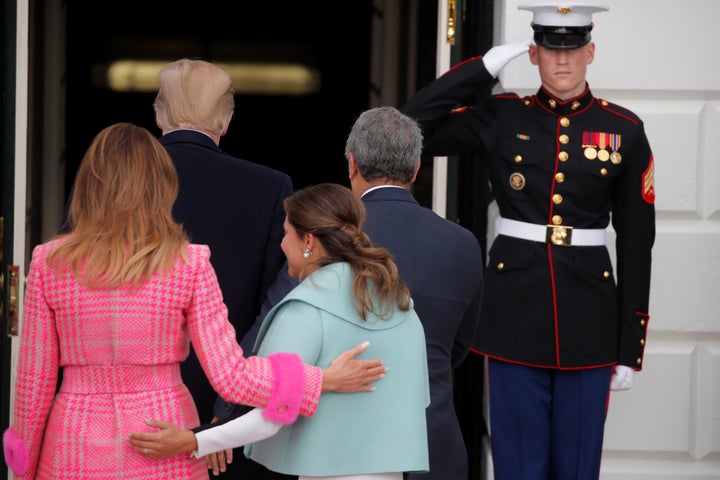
(232, 205)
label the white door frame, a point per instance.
(20, 170)
(442, 64)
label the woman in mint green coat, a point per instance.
(349, 292)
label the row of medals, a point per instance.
(591, 153)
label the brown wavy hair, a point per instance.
(335, 217)
(121, 225)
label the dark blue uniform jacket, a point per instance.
(552, 305)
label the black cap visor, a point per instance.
(561, 37)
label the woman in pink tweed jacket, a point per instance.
(116, 303)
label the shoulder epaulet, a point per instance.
(529, 101)
(618, 110)
(507, 96)
(512, 96)
(469, 60)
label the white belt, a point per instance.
(556, 234)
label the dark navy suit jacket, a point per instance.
(441, 263)
(235, 207)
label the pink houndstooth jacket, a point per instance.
(120, 351)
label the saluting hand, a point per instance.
(498, 56)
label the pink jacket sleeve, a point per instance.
(245, 380)
(37, 372)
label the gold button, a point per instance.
(500, 266)
(564, 139)
(518, 158)
(563, 156)
(527, 102)
(565, 122)
(642, 322)
(603, 171)
(560, 177)
(638, 361)
(642, 341)
(606, 274)
(557, 199)
(557, 220)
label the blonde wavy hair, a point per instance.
(121, 225)
(194, 94)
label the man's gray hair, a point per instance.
(386, 144)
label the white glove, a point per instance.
(497, 57)
(622, 378)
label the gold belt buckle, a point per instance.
(559, 235)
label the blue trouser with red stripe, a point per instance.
(547, 424)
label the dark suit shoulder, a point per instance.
(449, 226)
(257, 169)
(193, 152)
(402, 218)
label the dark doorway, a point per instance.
(302, 135)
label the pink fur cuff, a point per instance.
(16, 454)
(288, 388)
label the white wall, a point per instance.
(659, 58)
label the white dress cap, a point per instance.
(562, 24)
(563, 14)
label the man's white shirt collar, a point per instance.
(379, 186)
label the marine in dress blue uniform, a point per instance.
(556, 318)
